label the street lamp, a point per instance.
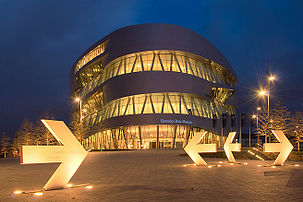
(262, 93)
(249, 129)
(80, 117)
(270, 78)
(258, 109)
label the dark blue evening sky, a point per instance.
(40, 41)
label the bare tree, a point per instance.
(296, 127)
(4, 144)
(41, 133)
(280, 119)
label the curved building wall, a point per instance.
(143, 89)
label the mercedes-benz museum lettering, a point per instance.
(152, 86)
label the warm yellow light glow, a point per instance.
(271, 78)
(245, 163)
(84, 110)
(229, 147)
(254, 116)
(258, 108)
(77, 99)
(220, 161)
(89, 187)
(71, 153)
(193, 148)
(184, 165)
(194, 164)
(17, 192)
(209, 166)
(69, 185)
(259, 165)
(38, 194)
(284, 147)
(219, 165)
(231, 163)
(273, 166)
(297, 165)
(262, 92)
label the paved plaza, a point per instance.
(156, 175)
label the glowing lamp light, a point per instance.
(184, 165)
(89, 187)
(231, 163)
(209, 166)
(219, 165)
(297, 165)
(245, 163)
(69, 185)
(262, 92)
(221, 162)
(77, 99)
(38, 194)
(17, 192)
(273, 166)
(259, 165)
(272, 78)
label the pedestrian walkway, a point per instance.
(158, 175)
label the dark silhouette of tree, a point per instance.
(4, 144)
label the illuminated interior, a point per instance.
(146, 137)
(88, 82)
(90, 56)
(174, 61)
(157, 103)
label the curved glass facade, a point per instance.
(174, 61)
(147, 137)
(124, 109)
(157, 103)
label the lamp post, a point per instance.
(249, 128)
(80, 118)
(258, 135)
(270, 78)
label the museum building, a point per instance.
(152, 86)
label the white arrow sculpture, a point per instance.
(193, 148)
(70, 155)
(284, 147)
(229, 147)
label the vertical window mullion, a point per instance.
(161, 62)
(145, 99)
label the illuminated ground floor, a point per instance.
(147, 137)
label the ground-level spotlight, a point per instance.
(209, 166)
(38, 194)
(245, 163)
(220, 162)
(297, 165)
(89, 187)
(17, 192)
(259, 165)
(231, 163)
(219, 165)
(273, 166)
(69, 185)
(184, 165)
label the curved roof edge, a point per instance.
(158, 36)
